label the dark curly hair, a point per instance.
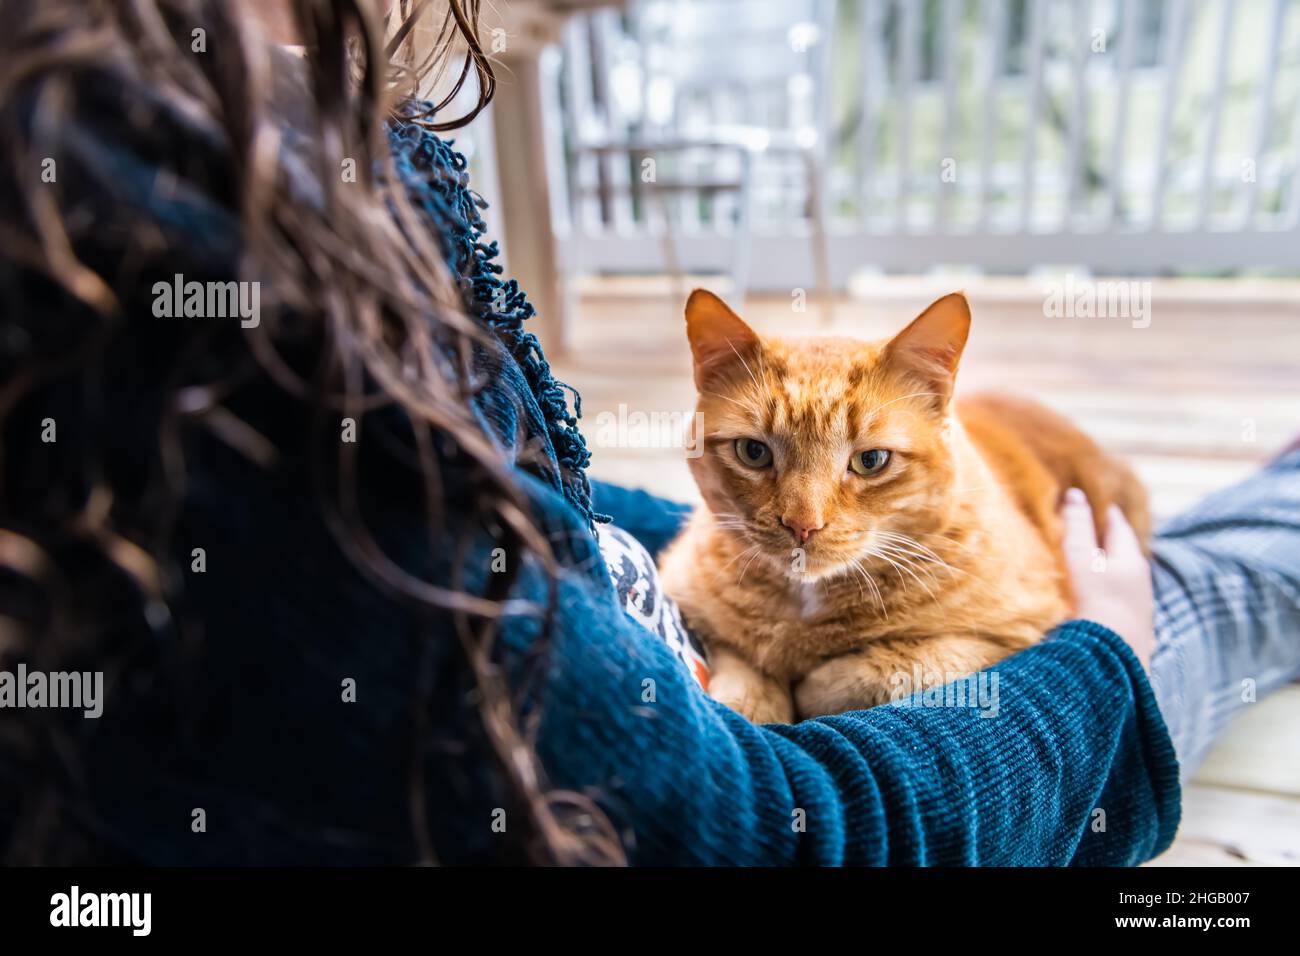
(365, 317)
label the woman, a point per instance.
(336, 556)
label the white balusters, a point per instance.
(1067, 149)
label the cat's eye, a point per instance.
(869, 462)
(753, 453)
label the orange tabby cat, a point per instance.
(860, 524)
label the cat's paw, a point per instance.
(759, 705)
(851, 682)
(747, 690)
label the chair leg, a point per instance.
(818, 236)
(744, 234)
(672, 261)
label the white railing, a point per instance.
(796, 141)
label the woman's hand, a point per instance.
(1112, 585)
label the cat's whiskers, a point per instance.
(972, 577)
(901, 545)
(741, 579)
(909, 560)
(861, 594)
(734, 524)
(731, 522)
(752, 547)
(856, 565)
(918, 550)
(973, 574)
(909, 543)
(902, 568)
(964, 545)
(967, 547)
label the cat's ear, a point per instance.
(719, 338)
(931, 346)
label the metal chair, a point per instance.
(716, 101)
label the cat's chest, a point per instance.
(808, 602)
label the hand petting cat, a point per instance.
(1112, 585)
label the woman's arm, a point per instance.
(1061, 757)
(1067, 761)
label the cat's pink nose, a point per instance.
(801, 527)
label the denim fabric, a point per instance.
(1227, 578)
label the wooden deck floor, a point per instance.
(1195, 401)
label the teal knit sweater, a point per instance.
(1075, 768)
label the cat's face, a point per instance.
(820, 453)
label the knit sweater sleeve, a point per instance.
(1075, 767)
